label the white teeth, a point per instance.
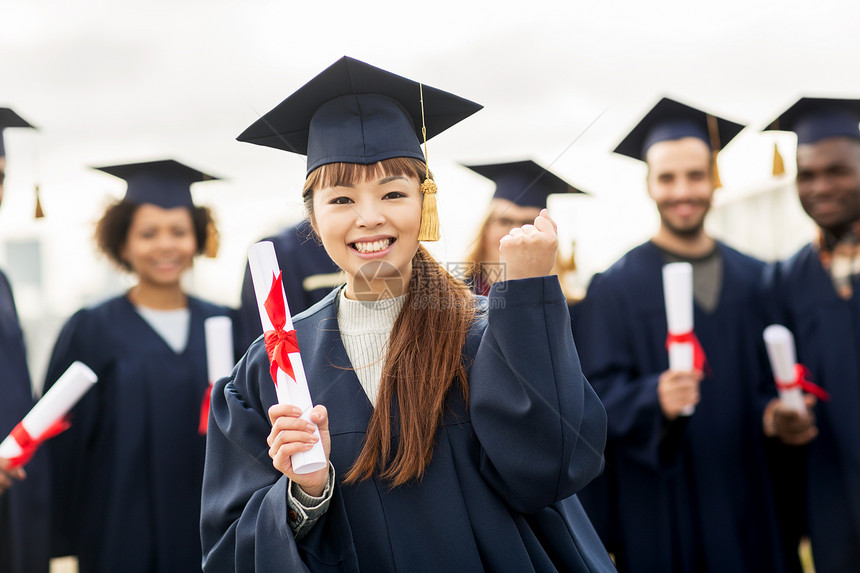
(372, 247)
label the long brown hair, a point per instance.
(424, 358)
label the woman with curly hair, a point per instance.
(128, 473)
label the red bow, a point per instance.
(801, 380)
(29, 444)
(204, 411)
(279, 342)
(700, 361)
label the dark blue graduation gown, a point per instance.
(827, 334)
(691, 495)
(300, 256)
(24, 509)
(128, 474)
(498, 494)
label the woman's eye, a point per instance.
(394, 195)
(340, 201)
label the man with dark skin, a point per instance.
(814, 294)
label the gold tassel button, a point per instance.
(778, 163)
(429, 230)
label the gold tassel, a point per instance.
(429, 230)
(778, 163)
(714, 135)
(429, 213)
(39, 212)
(715, 171)
(213, 240)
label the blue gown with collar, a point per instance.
(691, 495)
(498, 494)
(25, 508)
(827, 334)
(300, 255)
(128, 473)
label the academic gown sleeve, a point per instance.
(606, 347)
(244, 523)
(77, 341)
(541, 426)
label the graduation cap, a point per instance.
(524, 183)
(353, 112)
(670, 120)
(9, 118)
(166, 183)
(816, 118)
(813, 119)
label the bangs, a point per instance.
(333, 174)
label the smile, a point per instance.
(372, 246)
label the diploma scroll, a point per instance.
(46, 418)
(678, 296)
(291, 387)
(780, 350)
(219, 358)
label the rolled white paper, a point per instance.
(55, 404)
(780, 350)
(264, 268)
(219, 347)
(678, 296)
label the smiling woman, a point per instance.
(128, 473)
(368, 213)
(429, 398)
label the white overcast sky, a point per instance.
(110, 81)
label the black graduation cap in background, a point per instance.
(165, 183)
(353, 112)
(670, 120)
(524, 183)
(9, 118)
(814, 119)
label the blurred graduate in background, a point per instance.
(127, 475)
(522, 188)
(24, 497)
(681, 493)
(815, 294)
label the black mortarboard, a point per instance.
(353, 112)
(523, 182)
(9, 118)
(165, 183)
(670, 120)
(819, 118)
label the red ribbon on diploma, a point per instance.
(29, 444)
(279, 342)
(801, 380)
(700, 361)
(204, 411)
